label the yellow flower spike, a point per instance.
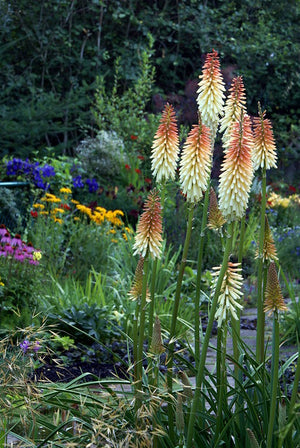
(165, 148)
(230, 293)
(235, 104)
(273, 295)
(269, 249)
(195, 163)
(211, 92)
(264, 149)
(136, 289)
(236, 171)
(156, 344)
(149, 229)
(215, 218)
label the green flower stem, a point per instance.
(141, 336)
(274, 379)
(152, 297)
(200, 372)
(199, 273)
(221, 380)
(135, 340)
(260, 338)
(173, 322)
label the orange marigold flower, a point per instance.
(165, 148)
(237, 171)
(195, 163)
(215, 217)
(211, 92)
(273, 295)
(148, 237)
(235, 104)
(264, 149)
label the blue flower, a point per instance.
(93, 185)
(77, 182)
(24, 345)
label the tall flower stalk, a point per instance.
(264, 157)
(194, 171)
(235, 183)
(148, 242)
(273, 304)
(210, 103)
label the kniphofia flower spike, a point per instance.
(195, 163)
(264, 149)
(211, 92)
(165, 148)
(273, 295)
(148, 237)
(237, 171)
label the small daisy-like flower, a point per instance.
(148, 237)
(237, 171)
(215, 218)
(37, 255)
(65, 190)
(273, 295)
(269, 249)
(136, 289)
(230, 292)
(165, 148)
(211, 92)
(195, 163)
(156, 344)
(235, 104)
(264, 149)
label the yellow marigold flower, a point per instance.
(273, 295)
(237, 171)
(195, 163)
(101, 209)
(37, 255)
(215, 218)
(165, 148)
(98, 218)
(137, 285)
(118, 212)
(264, 149)
(44, 212)
(128, 229)
(65, 190)
(1, 283)
(51, 198)
(269, 249)
(74, 201)
(211, 92)
(112, 231)
(157, 344)
(235, 104)
(125, 236)
(76, 218)
(41, 206)
(149, 229)
(59, 220)
(230, 292)
(84, 209)
(58, 210)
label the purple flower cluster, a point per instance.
(38, 174)
(91, 183)
(14, 247)
(26, 345)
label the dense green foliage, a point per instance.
(52, 53)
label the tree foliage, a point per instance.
(53, 51)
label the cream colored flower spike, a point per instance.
(264, 149)
(195, 163)
(148, 237)
(165, 148)
(211, 92)
(235, 104)
(236, 172)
